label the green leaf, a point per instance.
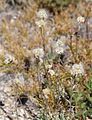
(89, 84)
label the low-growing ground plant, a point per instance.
(53, 65)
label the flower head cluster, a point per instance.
(46, 92)
(40, 23)
(9, 58)
(59, 45)
(81, 19)
(77, 69)
(51, 72)
(38, 53)
(42, 14)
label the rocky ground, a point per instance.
(21, 32)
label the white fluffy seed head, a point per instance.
(77, 69)
(81, 19)
(42, 14)
(51, 72)
(46, 92)
(9, 58)
(38, 53)
(59, 45)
